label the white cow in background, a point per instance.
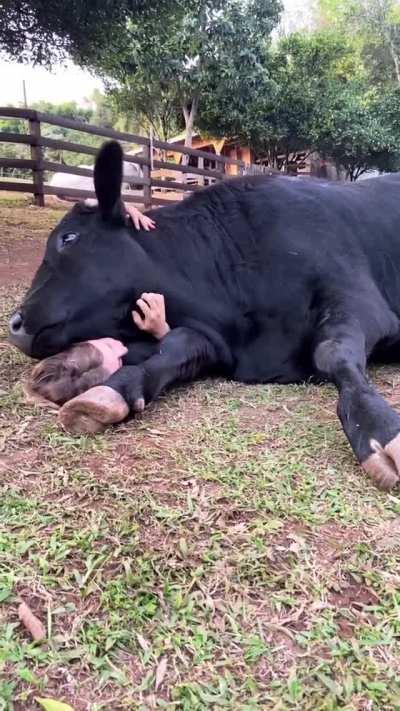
(84, 182)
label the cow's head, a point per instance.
(85, 286)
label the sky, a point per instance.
(64, 84)
(71, 83)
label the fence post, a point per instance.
(146, 171)
(37, 156)
(220, 166)
(200, 164)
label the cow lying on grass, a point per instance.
(266, 279)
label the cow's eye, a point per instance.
(68, 238)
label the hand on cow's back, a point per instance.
(140, 221)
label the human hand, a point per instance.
(153, 320)
(141, 222)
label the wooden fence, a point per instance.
(155, 168)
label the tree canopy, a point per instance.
(181, 67)
(47, 31)
(374, 28)
(215, 65)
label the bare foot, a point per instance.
(93, 410)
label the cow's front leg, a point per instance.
(182, 355)
(370, 424)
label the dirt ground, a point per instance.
(23, 231)
(18, 262)
(223, 550)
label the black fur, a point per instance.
(271, 279)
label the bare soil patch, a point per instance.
(19, 261)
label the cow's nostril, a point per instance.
(16, 321)
(18, 336)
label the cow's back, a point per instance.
(250, 255)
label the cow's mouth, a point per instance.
(45, 342)
(49, 340)
(42, 342)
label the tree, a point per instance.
(174, 66)
(309, 70)
(364, 133)
(378, 23)
(306, 73)
(322, 101)
(374, 28)
(47, 31)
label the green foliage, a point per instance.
(364, 134)
(321, 99)
(309, 71)
(47, 31)
(374, 27)
(169, 65)
(101, 112)
(190, 60)
(365, 130)
(377, 23)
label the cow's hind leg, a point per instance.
(371, 425)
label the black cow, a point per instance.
(266, 279)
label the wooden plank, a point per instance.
(12, 112)
(200, 165)
(16, 163)
(218, 175)
(81, 148)
(37, 157)
(146, 170)
(67, 146)
(76, 170)
(29, 140)
(21, 187)
(93, 130)
(137, 160)
(174, 185)
(133, 198)
(164, 201)
(81, 194)
(31, 114)
(17, 187)
(6, 137)
(180, 148)
(63, 168)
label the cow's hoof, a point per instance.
(93, 411)
(383, 466)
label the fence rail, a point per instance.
(154, 165)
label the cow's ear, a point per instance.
(108, 180)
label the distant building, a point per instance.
(230, 148)
(302, 163)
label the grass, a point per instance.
(221, 551)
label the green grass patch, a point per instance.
(223, 550)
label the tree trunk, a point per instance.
(396, 61)
(189, 116)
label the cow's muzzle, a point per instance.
(17, 334)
